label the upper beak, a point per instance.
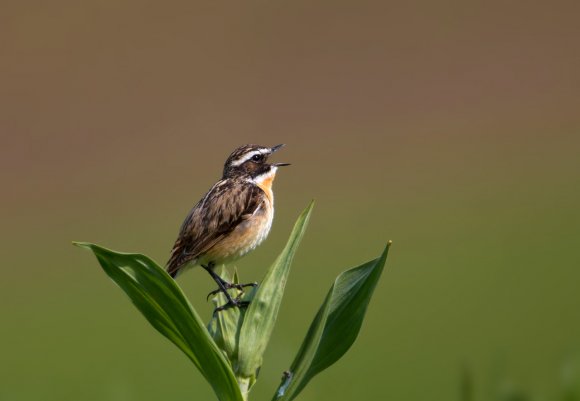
(275, 148)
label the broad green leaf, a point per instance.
(263, 310)
(164, 305)
(335, 326)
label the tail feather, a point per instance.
(176, 265)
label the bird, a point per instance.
(230, 220)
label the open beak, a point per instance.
(274, 149)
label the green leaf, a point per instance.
(335, 326)
(165, 306)
(261, 314)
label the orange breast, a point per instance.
(266, 186)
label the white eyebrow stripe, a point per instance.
(248, 156)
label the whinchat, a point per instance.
(233, 217)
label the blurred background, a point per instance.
(451, 128)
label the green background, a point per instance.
(451, 128)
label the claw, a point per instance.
(214, 292)
(229, 286)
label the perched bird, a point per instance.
(232, 219)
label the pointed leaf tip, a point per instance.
(84, 245)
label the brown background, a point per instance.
(450, 127)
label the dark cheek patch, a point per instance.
(252, 167)
(264, 168)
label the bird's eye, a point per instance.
(257, 158)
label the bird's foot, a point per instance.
(229, 286)
(232, 303)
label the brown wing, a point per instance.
(225, 206)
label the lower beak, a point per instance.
(280, 164)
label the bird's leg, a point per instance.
(224, 286)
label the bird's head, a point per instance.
(251, 161)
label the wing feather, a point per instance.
(227, 204)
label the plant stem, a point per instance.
(244, 383)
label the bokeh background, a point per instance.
(452, 128)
